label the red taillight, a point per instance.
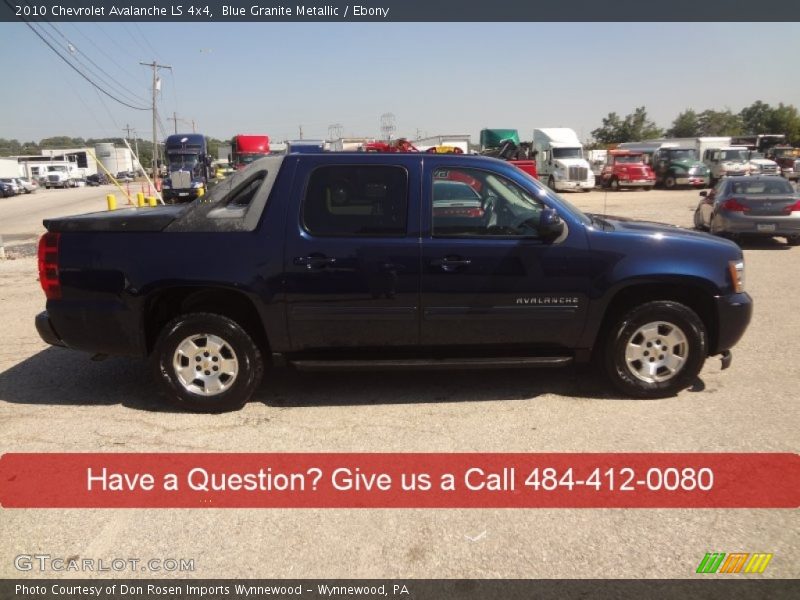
(733, 205)
(48, 265)
(793, 208)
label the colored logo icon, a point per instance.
(737, 562)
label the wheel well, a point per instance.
(695, 297)
(164, 306)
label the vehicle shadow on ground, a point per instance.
(762, 243)
(58, 377)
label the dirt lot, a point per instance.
(57, 400)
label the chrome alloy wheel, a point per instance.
(656, 352)
(205, 364)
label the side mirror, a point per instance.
(551, 226)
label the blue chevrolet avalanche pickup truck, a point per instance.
(342, 260)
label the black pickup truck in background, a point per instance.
(338, 260)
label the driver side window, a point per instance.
(476, 203)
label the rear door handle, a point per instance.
(314, 262)
(451, 263)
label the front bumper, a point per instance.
(574, 185)
(693, 180)
(46, 331)
(733, 313)
(180, 195)
(636, 182)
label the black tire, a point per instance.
(645, 188)
(793, 240)
(698, 221)
(239, 349)
(669, 320)
(670, 182)
(551, 183)
(614, 184)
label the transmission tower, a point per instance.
(335, 131)
(387, 125)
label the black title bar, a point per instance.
(204, 11)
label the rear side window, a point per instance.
(356, 201)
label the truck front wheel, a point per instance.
(655, 350)
(206, 362)
(670, 182)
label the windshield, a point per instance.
(567, 152)
(683, 153)
(629, 160)
(182, 161)
(56, 168)
(739, 155)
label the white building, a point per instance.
(113, 158)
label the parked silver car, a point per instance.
(765, 205)
(28, 185)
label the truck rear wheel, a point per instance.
(655, 350)
(206, 362)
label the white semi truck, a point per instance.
(61, 174)
(560, 159)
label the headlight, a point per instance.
(736, 268)
(197, 184)
(166, 186)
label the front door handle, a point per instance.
(451, 263)
(314, 262)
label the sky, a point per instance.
(435, 78)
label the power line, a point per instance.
(75, 50)
(74, 68)
(101, 50)
(147, 41)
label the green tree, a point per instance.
(62, 141)
(639, 127)
(634, 127)
(719, 123)
(611, 130)
(684, 125)
(9, 147)
(755, 117)
(784, 119)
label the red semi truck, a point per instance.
(247, 148)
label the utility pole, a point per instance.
(156, 85)
(127, 129)
(174, 119)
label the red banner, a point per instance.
(399, 480)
